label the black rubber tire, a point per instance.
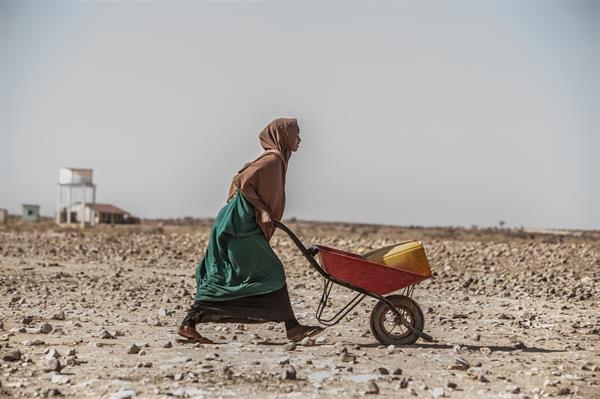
(381, 313)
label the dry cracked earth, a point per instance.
(92, 313)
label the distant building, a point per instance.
(3, 215)
(75, 186)
(99, 213)
(31, 213)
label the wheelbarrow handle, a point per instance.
(309, 253)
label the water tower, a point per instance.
(76, 192)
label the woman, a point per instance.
(240, 278)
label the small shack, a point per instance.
(3, 215)
(107, 213)
(31, 213)
(99, 213)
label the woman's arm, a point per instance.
(265, 190)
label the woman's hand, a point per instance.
(265, 218)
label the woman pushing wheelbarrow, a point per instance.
(241, 278)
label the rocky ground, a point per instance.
(92, 313)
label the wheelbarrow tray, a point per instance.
(360, 272)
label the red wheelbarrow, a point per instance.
(395, 319)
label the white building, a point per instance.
(100, 213)
(75, 186)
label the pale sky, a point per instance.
(412, 113)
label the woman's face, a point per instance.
(296, 142)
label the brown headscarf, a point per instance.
(262, 181)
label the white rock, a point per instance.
(124, 393)
(60, 379)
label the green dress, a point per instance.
(239, 262)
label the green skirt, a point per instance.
(239, 262)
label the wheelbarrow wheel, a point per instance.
(387, 327)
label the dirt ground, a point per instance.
(92, 313)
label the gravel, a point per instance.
(508, 309)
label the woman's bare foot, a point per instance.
(191, 334)
(300, 332)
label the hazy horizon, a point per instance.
(412, 113)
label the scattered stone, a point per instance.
(52, 364)
(451, 385)
(403, 383)
(397, 371)
(372, 388)
(340, 348)
(124, 393)
(58, 331)
(53, 354)
(290, 346)
(288, 373)
(283, 361)
(103, 334)
(438, 392)
(51, 393)
(60, 379)
(307, 341)
(34, 342)
(459, 364)
(347, 358)
(133, 349)
(227, 372)
(382, 371)
(12, 356)
(58, 316)
(564, 391)
(27, 320)
(519, 345)
(512, 389)
(167, 344)
(485, 350)
(187, 392)
(45, 328)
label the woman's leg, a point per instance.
(289, 324)
(274, 306)
(297, 332)
(187, 329)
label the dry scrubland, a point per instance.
(92, 313)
